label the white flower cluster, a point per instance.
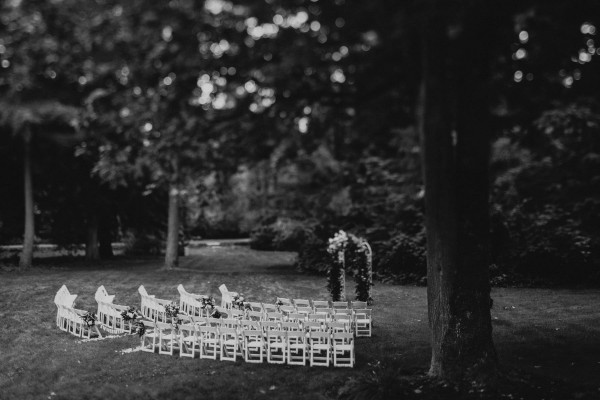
(338, 243)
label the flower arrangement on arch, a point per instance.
(89, 319)
(130, 314)
(172, 310)
(139, 328)
(239, 302)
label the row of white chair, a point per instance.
(258, 342)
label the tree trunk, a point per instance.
(92, 251)
(455, 165)
(171, 254)
(29, 233)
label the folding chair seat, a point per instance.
(189, 341)
(287, 310)
(319, 346)
(268, 307)
(296, 348)
(320, 304)
(337, 326)
(209, 342)
(283, 301)
(254, 344)
(168, 339)
(339, 305)
(301, 303)
(229, 344)
(250, 325)
(274, 316)
(255, 315)
(296, 317)
(149, 340)
(290, 326)
(313, 326)
(358, 304)
(343, 349)
(276, 346)
(362, 322)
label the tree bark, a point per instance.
(29, 231)
(171, 253)
(455, 165)
(92, 251)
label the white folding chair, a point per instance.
(149, 340)
(268, 307)
(253, 346)
(229, 344)
(343, 349)
(339, 305)
(151, 307)
(189, 341)
(109, 314)
(209, 342)
(362, 322)
(301, 302)
(296, 347)
(276, 346)
(320, 304)
(319, 347)
(168, 339)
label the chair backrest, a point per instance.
(268, 307)
(208, 331)
(339, 304)
(320, 304)
(338, 326)
(302, 303)
(290, 326)
(274, 316)
(296, 317)
(103, 296)
(64, 298)
(342, 337)
(181, 290)
(277, 335)
(187, 329)
(287, 309)
(255, 315)
(304, 310)
(230, 322)
(249, 325)
(363, 312)
(283, 300)
(312, 326)
(223, 289)
(358, 304)
(317, 317)
(297, 334)
(319, 336)
(142, 290)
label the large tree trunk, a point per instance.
(455, 165)
(171, 253)
(29, 234)
(92, 246)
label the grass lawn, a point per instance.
(551, 337)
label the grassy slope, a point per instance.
(551, 334)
